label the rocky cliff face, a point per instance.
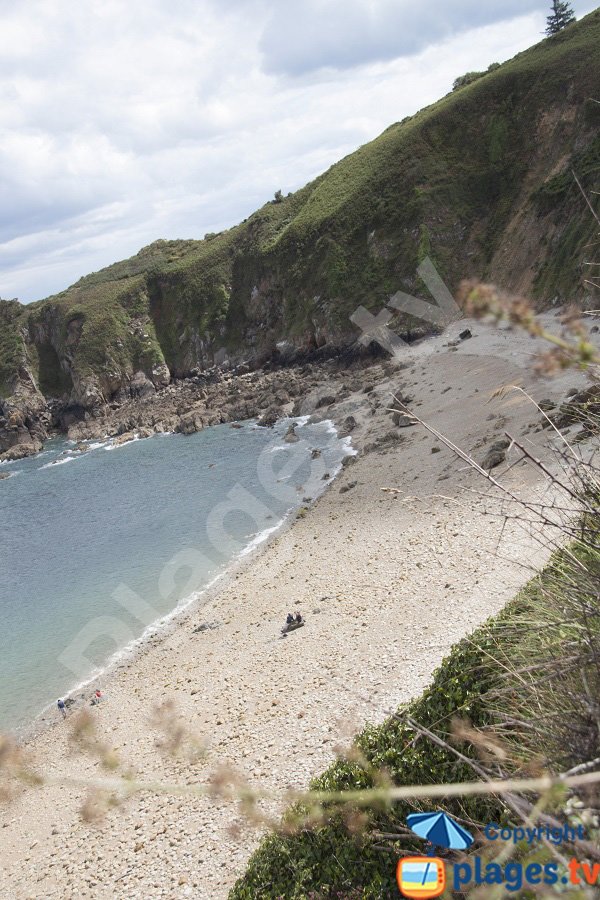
(481, 182)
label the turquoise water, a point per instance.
(97, 549)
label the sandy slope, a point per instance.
(387, 584)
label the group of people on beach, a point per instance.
(292, 619)
(96, 698)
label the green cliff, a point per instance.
(481, 181)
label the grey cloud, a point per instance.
(303, 37)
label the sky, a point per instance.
(124, 121)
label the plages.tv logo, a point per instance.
(427, 876)
(424, 877)
(421, 877)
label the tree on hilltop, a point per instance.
(562, 15)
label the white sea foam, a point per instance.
(326, 425)
(58, 462)
(111, 446)
(347, 445)
(261, 537)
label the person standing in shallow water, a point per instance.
(62, 708)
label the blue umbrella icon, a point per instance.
(440, 830)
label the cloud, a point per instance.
(342, 34)
(122, 122)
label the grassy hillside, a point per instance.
(481, 181)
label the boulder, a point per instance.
(326, 400)
(493, 459)
(290, 436)
(20, 451)
(270, 417)
(141, 387)
(500, 445)
(124, 439)
(348, 426)
(161, 375)
(401, 420)
(16, 419)
(189, 424)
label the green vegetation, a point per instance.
(12, 348)
(521, 683)
(470, 77)
(449, 181)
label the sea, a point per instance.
(100, 550)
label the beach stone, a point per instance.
(270, 417)
(498, 446)
(348, 426)
(124, 438)
(290, 436)
(189, 424)
(401, 420)
(348, 487)
(326, 400)
(493, 459)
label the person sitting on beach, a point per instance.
(290, 619)
(298, 619)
